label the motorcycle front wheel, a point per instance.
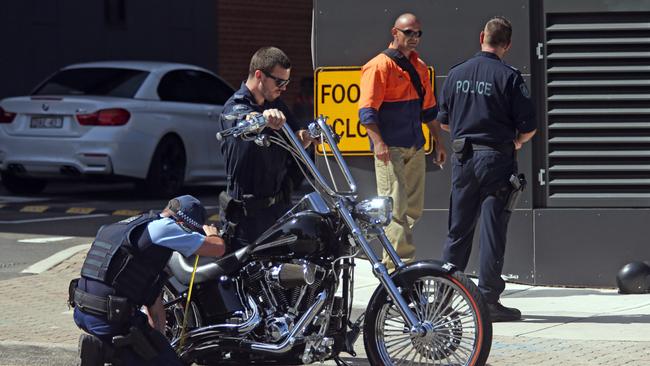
(459, 331)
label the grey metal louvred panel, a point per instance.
(592, 83)
(598, 109)
(581, 55)
(598, 125)
(593, 69)
(598, 27)
(592, 153)
(599, 97)
(602, 168)
(581, 41)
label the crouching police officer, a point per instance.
(123, 271)
(487, 108)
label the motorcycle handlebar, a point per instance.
(255, 123)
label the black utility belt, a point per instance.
(249, 205)
(464, 146)
(116, 309)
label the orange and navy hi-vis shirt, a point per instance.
(389, 99)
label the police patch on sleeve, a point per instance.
(524, 90)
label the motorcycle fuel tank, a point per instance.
(305, 234)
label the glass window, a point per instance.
(113, 82)
(191, 86)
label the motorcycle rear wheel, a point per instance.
(450, 304)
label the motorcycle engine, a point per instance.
(283, 291)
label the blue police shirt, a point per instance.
(164, 232)
(486, 101)
(253, 169)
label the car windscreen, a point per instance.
(113, 82)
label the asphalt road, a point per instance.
(67, 214)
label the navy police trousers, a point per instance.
(475, 180)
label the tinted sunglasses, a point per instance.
(279, 82)
(411, 33)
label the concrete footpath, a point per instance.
(561, 326)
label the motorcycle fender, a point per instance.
(414, 269)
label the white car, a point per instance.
(151, 122)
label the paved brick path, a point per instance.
(33, 312)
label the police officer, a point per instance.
(123, 271)
(257, 194)
(486, 107)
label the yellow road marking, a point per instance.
(126, 212)
(214, 217)
(80, 210)
(38, 209)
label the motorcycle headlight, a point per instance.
(375, 211)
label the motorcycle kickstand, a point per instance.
(340, 362)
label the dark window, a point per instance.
(123, 83)
(191, 86)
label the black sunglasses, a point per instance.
(411, 33)
(279, 82)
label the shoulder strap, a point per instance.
(407, 66)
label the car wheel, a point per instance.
(20, 185)
(166, 170)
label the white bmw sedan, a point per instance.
(151, 122)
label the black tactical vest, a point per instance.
(124, 258)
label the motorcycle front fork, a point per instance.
(380, 271)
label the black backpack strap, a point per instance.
(407, 66)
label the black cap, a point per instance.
(189, 210)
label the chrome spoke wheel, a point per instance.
(444, 310)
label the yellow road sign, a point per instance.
(337, 96)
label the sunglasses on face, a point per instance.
(410, 33)
(279, 82)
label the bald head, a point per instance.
(406, 20)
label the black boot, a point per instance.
(500, 313)
(91, 352)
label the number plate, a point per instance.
(46, 122)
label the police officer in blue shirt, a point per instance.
(123, 271)
(486, 107)
(257, 193)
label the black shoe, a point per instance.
(500, 313)
(91, 352)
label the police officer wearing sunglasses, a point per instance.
(257, 175)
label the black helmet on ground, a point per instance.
(634, 278)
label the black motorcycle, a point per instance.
(276, 301)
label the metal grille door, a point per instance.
(598, 109)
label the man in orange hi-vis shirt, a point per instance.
(396, 98)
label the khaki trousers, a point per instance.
(403, 180)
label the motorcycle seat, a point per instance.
(209, 268)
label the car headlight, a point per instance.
(375, 211)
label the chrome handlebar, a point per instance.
(317, 130)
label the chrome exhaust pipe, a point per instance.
(296, 332)
(212, 332)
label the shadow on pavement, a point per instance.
(599, 319)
